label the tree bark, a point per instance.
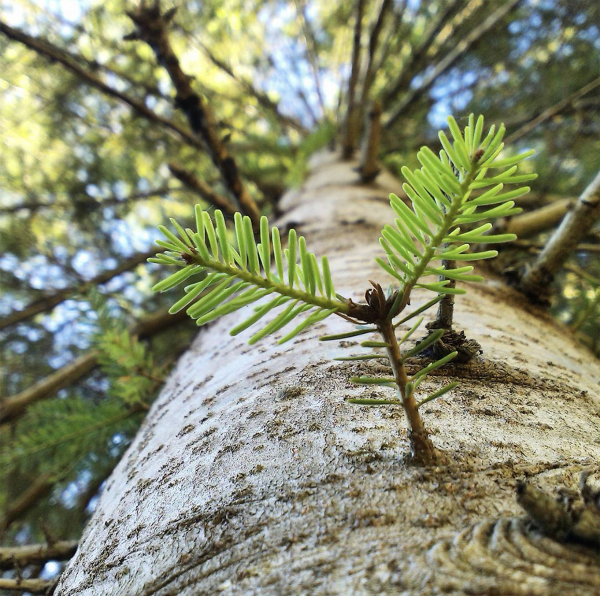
(252, 475)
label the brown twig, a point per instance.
(352, 123)
(39, 488)
(33, 586)
(31, 554)
(151, 27)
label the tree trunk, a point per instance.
(252, 474)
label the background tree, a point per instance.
(96, 153)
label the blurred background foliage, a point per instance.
(85, 179)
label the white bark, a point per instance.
(252, 475)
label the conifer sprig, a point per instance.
(235, 276)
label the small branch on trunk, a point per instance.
(533, 222)
(371, 71)
(33, 586)
(369, 167)
(449, 60)
(30, 554)
(49, 302)
(13, 407)
(535, 281)
(351, 125)
(552, 111)
(202, 189)
(151, 27)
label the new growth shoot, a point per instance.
(452, 199)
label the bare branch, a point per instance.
(15, 406)
(19, 556)
(554, 110)
(48, 50)
(352, 124)
(33, 586)
(449, 60)
(536, 221)
(151, 27)
(536, 280)
(369, 166)
(202, 189)
(49, 302)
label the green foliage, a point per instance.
(452, 200)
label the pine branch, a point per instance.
(536, 280)
(13, 407)
(202, 189)
(31, 554)
(49, 302)
(449, 60)
(50, 51)
(554, 110)
(151, 27)
(352, 124)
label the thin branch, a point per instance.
(392, 35)
(552, 111)
(263, 99)
(537, 277)
(202, 189)
(30, 554)
(151, 27)
(13, 407)
(33, 586)
(370, 72)
(38, 489)
(536, 221)
(311, 50)
(48, 50)
(34, 206)
(414, 59)
(537, 246)
(449, 60)
(49, 302)
(369, 167)
(352, 124)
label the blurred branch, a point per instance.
(311, 50)
(369, 166)
(15, 406)
(449, 60)
(370, 73)
(45, 48)
(413, 60)
(32, 586)
(19, 556)
(151, 27)
(552, 111)
(352, 124)
(263, 99)
(531, 223)
(39, 488)
(535, 281)
(202, 189)
(537, 246)
(141, 196)
(49, 302)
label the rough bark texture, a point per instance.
(252, 475)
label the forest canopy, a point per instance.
(96, 152)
